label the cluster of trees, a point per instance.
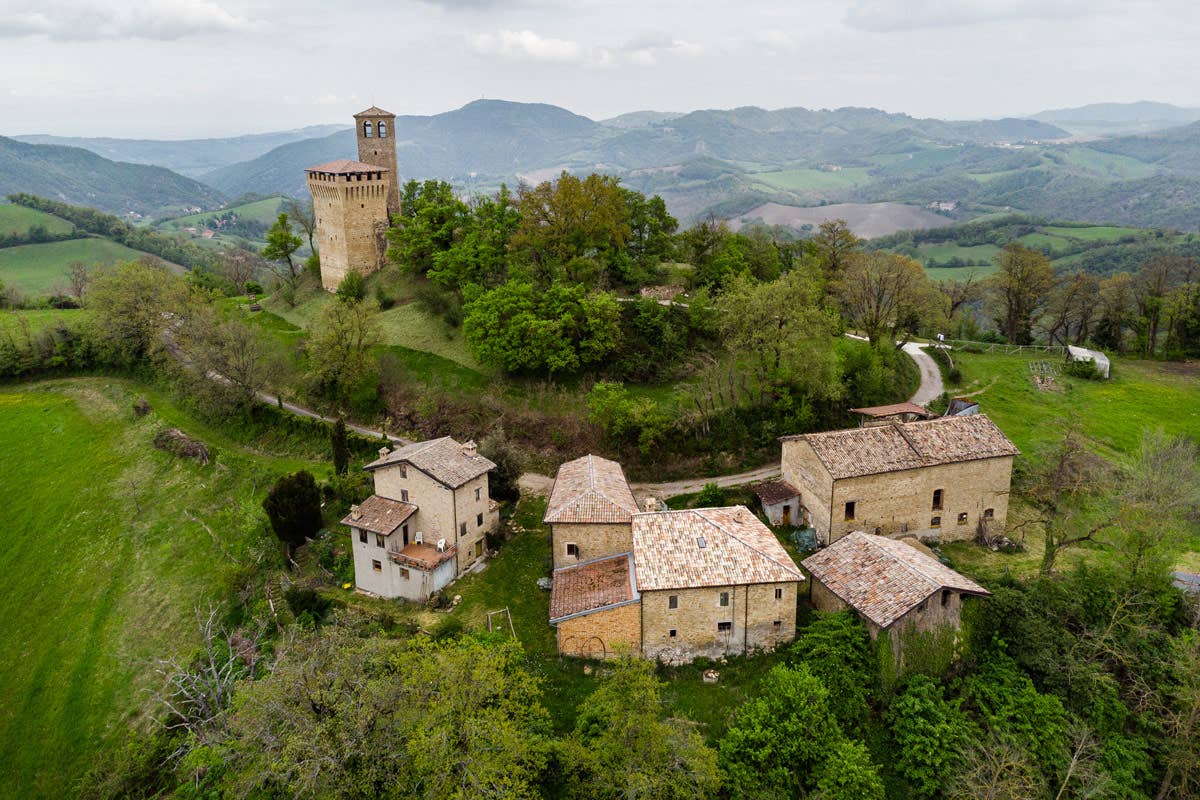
(169, 248)
(37, 234)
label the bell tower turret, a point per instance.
(376, 132)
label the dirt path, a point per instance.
(301, 411)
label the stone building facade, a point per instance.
(376, 132)
(427, 522)
(350, 211)
(941, 479)
(589, 511)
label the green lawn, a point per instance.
(41, 319)
(408, 326)
(105, 560)
(1108, 165)
(1094, 233)
(40, 268)
(959, 273)
(1043, 241)
(19, 219)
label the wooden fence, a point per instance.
(1006, 349)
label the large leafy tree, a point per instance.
(837, 649)
(480, 251)
(135, 307)
(293, 506)
(431, 222)
(888, 296)
(930, 734)
(849, 774)
(623, 748)
(1019, 290)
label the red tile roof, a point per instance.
(883, 579)
(344, 166)
(379, 514)
(707, 547)
(893, 409)
(591, 586)
(590, 489)
(773, 492)
(374, 111)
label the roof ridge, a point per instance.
(897, 559)
(899, 426)
(740, 540)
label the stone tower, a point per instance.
(350, 206)
(376, 131)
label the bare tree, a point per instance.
(230, 360)
(79, 276)
(957, 293)
(239, 267)
(302, 215)
(887, 294)
(992, 769)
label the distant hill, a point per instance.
(1108, 119)
(640, 119)
(78, 176)
(191, 157)
(1176, 149)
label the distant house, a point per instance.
(1082, 354)
(670, 585)
(894, 585)
(943, 478)
(426, 523)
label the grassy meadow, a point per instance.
(40, 268)
(110, 546)
(19, 219)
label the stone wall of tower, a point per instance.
(380, 152)
(351, 215)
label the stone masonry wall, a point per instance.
(752, 614)
(594, 540)
(349, 216)
(802, 469)
(603, 634)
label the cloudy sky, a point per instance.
(180, 68)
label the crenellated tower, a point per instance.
(350, 207)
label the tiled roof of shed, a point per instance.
(379, 514)
(344, 166)
(443, 459)
(591, 586)
(707, 547)
(883, 579)
(773, 492)
(892, 410)
(889, 448)
(590, 489)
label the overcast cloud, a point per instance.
(178, 68)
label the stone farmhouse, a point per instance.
(946, 479)
(670, 585)
(353, 201)
(894, 585)
(426, 523)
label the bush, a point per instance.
(308, 602)
(353, 287)
(711, 496)
(1085, 370)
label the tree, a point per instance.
(79, 277)
(339, 350)
(833, 245)
(503, 480)
(992, 769)
(302, 215)
(849, 774)
(293, 506)
(1116, 312)
(352, 288)
(341, 450)
(1071, 308)
(837, 650)
(1019, 290)
(134, 305)
(777, 740)
(239, 267)
(430, 223)
(229, 361)
(623, 749)
(1181, 714)
(887, 295)
(281, 246)
(929, 734)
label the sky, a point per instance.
(196, 68)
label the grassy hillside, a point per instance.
(39, 268)
(79, 176)
(19, 219)
(110, 546)
(264, 211)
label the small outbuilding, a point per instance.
(1098, 359)
(780, 501)
(896, 412)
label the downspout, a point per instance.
(746, 619)
(454, 516)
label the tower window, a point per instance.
(368, 131)
(382, 129)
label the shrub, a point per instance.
(353, 287)
(309, 602)
(711, 496)
(1086, 370)
(294, 507)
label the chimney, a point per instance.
(383, 451)
(355, 513)
(469, 448)
(651, 504)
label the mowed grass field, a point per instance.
(19, 219)
(814, 179)
(40, 268)
(265, 211)
(109, 546)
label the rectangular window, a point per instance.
(988, 513)
(362, 536)
(479, 520)
(478, 494)
(404, 573)
(778, 624)
(404, 495)
(937, 499)
(404, 533)
(936, 522)
(672, 634)
(962, 518)
(403, 471)
(724, 627)
(673, 601)
(724, 601)
(462, 529)
(945, 596)
(779, 594)
(380, 541)
(376, 565)
(850, 511)
(572, 549)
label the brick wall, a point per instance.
(594, 540)
(602, 634)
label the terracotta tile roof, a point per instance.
(445, 460)
(707, 547)
(591, 586)
(379, 514)
(422, 555)
(374, 111)
(883, 579)
(344, 166)
(889, 448)
(892, 410)
(773, 492)
(590, 489)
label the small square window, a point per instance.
(988, 513)
(572, 549)
(404, 573)
(672, 633)
(850, 511)
(962, 518)
(936, 522)
(376, 565)
(724, 599)
(362, 536)
(404, 495)
(724, 626)
(779, 593)
(380, 541)
(479, 520)
(673, 601)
